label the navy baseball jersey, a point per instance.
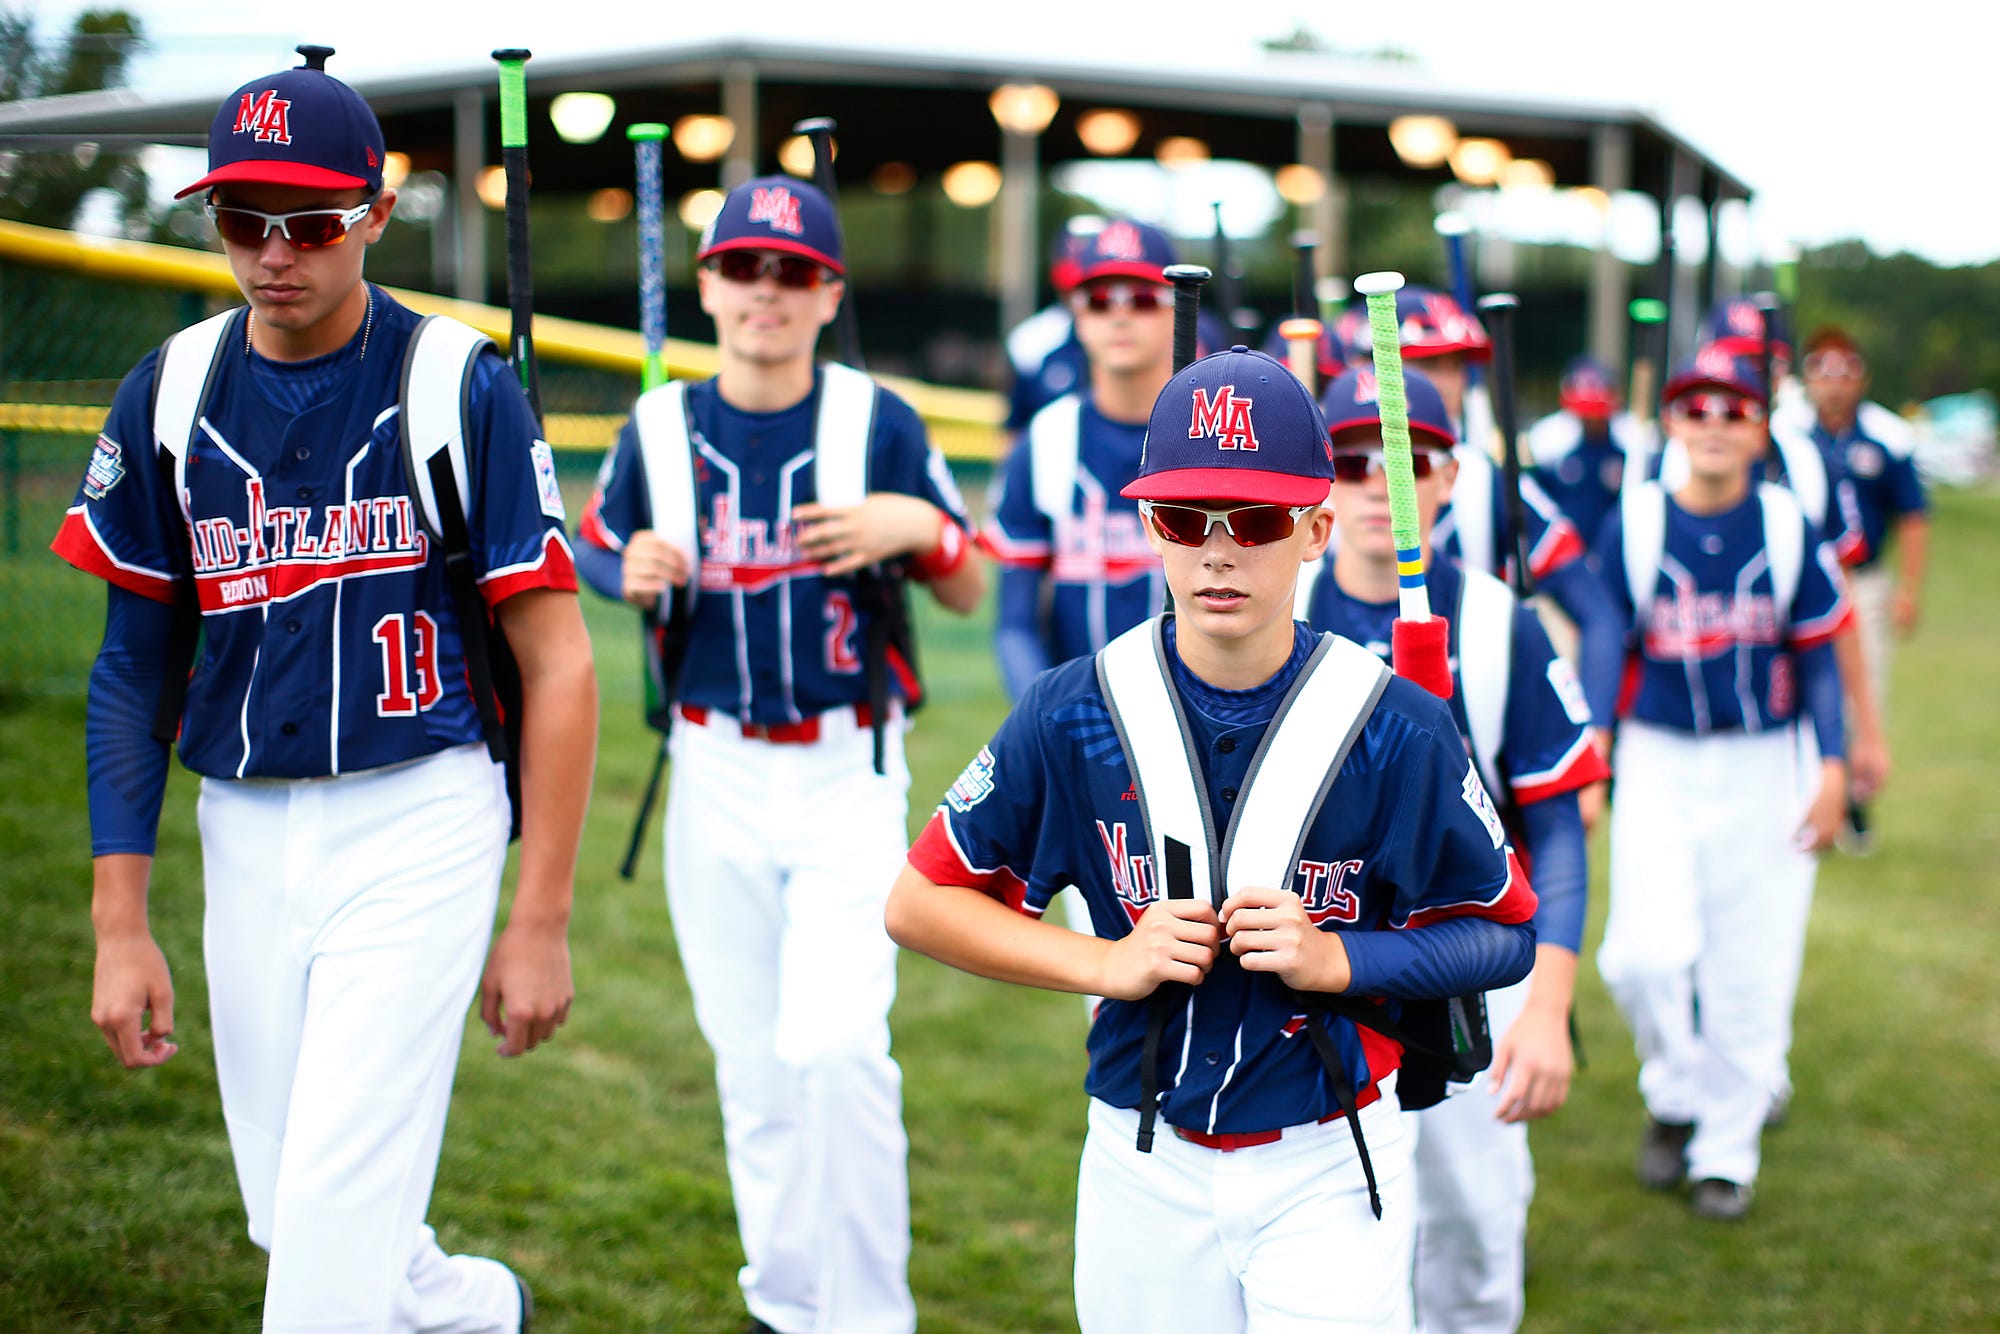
(1046, 366)
(1103, 576)
(1406, 857)
(330, 642)
(1714, 652)
(1581, 466)
(1546, 748)
(1553, 541)
(774, 640)
(1874, 455)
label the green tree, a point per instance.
(46, 186)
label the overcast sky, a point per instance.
(1852, 121)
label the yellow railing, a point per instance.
(965, 423)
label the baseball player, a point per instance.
(1872, 447)
(353, 823)
(1583, 453)
(1180, 778)
(1733, 600)
(1075, 567)
(768, 492)
(1043, 351)
(1521, 711)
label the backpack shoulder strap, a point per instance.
(1054, 439)
(666, 449)
(1315, 727)
(1472, 509)
(1133, 673)
(435, 397)
(1784, 545)
(1805, 472)
(1309, 576)
(1642, 513)
(842, 434)
(1485, 632)
(185, 373)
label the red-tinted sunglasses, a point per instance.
(307, 229)
(1719, 407)
(1354, 465)
(1247, 525)
(747, 266)
(1122, 296)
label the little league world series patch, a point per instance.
(106, 470)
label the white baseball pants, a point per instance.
(1707, 927)
(347, 923)
(1873, 589)
(1475, 1180)
(1270, 1239)
(779, 859)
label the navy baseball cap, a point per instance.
(1736, 325)
(1235, 426)
(776, 213)
(1126, 249)
(1351, 400)
(1432, 324)
(1713, 367)
(1587, 388)
(300, 126)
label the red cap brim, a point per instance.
(1416, 428)
(254, 172)
(1238, 484)
(1121, 268)
(1475, 351)
(782, 247)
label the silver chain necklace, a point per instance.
(367, 326)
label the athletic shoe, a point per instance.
(1663, 1154)
(1720, 1201)
(527, 1303)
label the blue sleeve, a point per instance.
(517, 506)
(999, 836)
(602, 569)
(620, 503)
(1017, 634)
(126, 766)
(1553, 832)
(1448, 958)
(1819, 687)
(1600, 633)
(1903, 486)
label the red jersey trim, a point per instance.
(938, 858)
(592, 529)
(1811, 634)
(1513, 905)
(553, 568)
(1019, 555)
(1579, 767)
(1560, 545)
(77, 542)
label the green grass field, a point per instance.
(595, 1164)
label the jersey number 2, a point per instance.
(400, 665)
(841, 624)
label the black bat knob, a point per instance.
(315, 56)
(1187, 280)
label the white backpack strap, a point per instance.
(1784, 545)
(182, 379)
(1485, 632)
(1805, 473)
(1472, 509)
(1303, 750)
(1054, 441)
(1553, 439)
(1643, 513)
(841, 435)
(1132, 671)
(436, 393)
(660, 419)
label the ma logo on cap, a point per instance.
(1712, 360)
(1226, 417)
(265, 115)
(1121, 240)
(1364, 386)
(777, 206)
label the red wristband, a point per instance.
(951, 551)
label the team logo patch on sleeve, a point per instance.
(545, 480)
(106, 470)
(1562, 679)
(1475, 796)
(974, 785)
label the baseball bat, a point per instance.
(647, 177)
(1420, 644)
(520, 276)
(1301, 332)
(1499, 310)
(1649, 318)
(846, 324)
(1187, 280)
(1767, 318)
(1225, 274)
(1453, 227)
